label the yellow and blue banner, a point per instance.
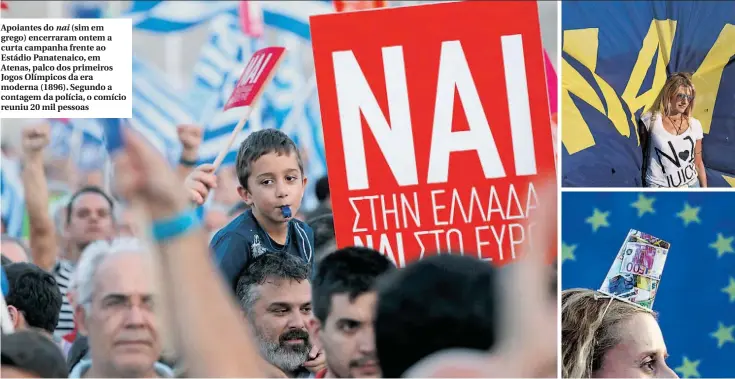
(616, 57)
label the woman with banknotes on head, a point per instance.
(613, 332)
(604, 337)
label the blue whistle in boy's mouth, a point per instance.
(286, 211)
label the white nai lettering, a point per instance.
(455, 72)
(255, 69)
(395, 138)
(355, 96)
(519, 108)
(398, 257)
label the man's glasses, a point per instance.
(683, 96)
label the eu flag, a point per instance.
(696, 297)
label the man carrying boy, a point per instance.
(272, 182)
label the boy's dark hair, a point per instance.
(261, 143)
(34, 292)
(5, 260)
(441, 302)
(268, 266)
(322, 188)
(352, 271)
(82, 191)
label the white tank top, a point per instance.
(671, 157)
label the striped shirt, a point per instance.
(62, 272)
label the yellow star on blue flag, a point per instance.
(723, 245)
(688, 369)
(723, 334)
(598, 219)
(644, 205)
(730, 290)
(567, 252)
(689, 214)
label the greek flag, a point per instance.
(158, 109)
(12, 200)
(221, 62)
(293, 17)
(216, 73)
(81, 139)
(175, 16)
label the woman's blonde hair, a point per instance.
(661, 104)
(589, 322)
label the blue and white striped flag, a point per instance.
(175, 16)
(283, 104)
(12, 200)
(158, 109)
(293, 17)
(178, 16)
(220, 65)
(81, 139)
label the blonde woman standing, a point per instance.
(671, 138)
(604, 337)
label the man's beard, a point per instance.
(283, 355)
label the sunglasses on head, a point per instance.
(683, 96)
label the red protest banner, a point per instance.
(357, 5)
(256, 75)
(251, 18)
(436, 138)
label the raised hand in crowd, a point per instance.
(199, 182)
(317, 360)
(528, 343)
(35, 138)
(190, 137)
(193, 290)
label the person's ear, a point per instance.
(15, 317)
(245, 195)
(315, 328)
(80, 319)
(306, 180)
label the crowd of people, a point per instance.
(148, 279)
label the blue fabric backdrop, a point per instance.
(696, 299)
(608, 46)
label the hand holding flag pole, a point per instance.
(257, 74)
